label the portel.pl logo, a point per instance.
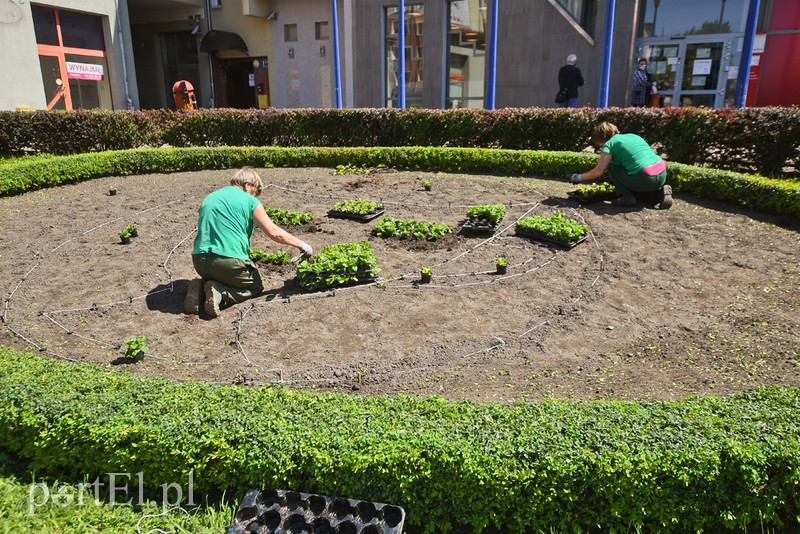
(120, 490)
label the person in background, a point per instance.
(643, 85)
(632, 165)
(570, 78)
(221, 254)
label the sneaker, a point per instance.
(666, 198)
(213, 299)
(194, 296)
(626, 199)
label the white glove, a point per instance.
(654, 90)
(306, 249)
(575, 178)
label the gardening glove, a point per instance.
(575, 178)
(306, 249)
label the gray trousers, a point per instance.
(238, 280)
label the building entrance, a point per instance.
(693, 70)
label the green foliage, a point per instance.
(136, 347)
(501, 262)
(710, 464)
(275, 258)
(425, 270)
(413, 229)
(289, 218)
(593, 190)
(761, 140)
(358, 206)
(125, 232)
(770, 195)
(556, 227)
(337, 265)
(131, 229)
(492, 213)
(426, 183)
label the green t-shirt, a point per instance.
(225, 223)
(631, 152)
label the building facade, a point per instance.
(128, 54)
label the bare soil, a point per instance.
(701, 299)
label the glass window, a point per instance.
(414, 46)
(44, 25)
(583, 11)
(290, 33)
(321, 31)
(79, 30)
(466, 57)
(668, 18)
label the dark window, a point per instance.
(583, 11)
(81, 31)
(44, 25)
(321, 31)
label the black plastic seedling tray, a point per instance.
(481, 225)
(279, 511)
(363, 276)
(597, 197)
(356, 216)
(549, 239)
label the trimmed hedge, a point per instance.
(768, 195)
(690, 465)
(761, 140)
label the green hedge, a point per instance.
(690, 465)
(760, 140)
(762, 194)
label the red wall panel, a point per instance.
(785, 15)
(779, 79)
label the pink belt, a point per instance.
(655, 168)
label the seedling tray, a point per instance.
(355, 216)
(270, 510)
(548, 239)
(366, 279)
(595, 197)
(481, 225)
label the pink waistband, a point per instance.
(655, 168)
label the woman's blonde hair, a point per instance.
(247, 175)
(603, 132)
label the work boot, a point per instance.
(626, 199)
(194, 296)
(666, 198)
(213, 299)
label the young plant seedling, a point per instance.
(425, 273)
(502, 265)
(426, 185)
(136, 348)
(112, 191)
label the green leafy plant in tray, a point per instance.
(410, 229)
(338, 265)
(555, 229)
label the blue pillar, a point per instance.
(740, 96)
(605, 73)
(337, 73)
(401, 55)
(492, 67)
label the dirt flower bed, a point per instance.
(700, 299)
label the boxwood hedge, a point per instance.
(770, 195)
(690, 465)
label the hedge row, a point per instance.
(690, 465)
(762, 140)
(762, 194)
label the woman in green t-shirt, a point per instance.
(632, 166)
(221, 253)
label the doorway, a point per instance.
(693, 70)
(240, 83)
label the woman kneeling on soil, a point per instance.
(632, 166)
(221, 254)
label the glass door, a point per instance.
(691, 71)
